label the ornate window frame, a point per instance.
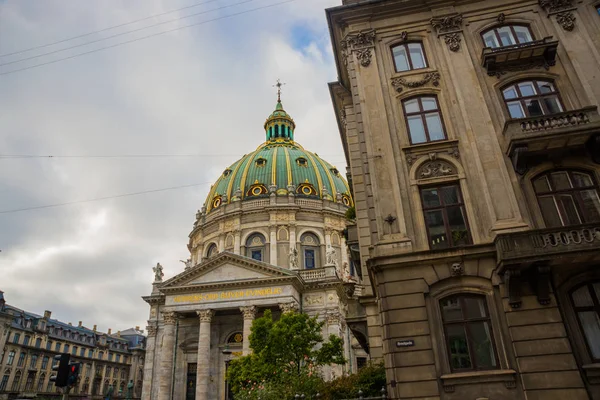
(537, 96)
(250, 247)
(470, 285)
(422, 112)
(315, 248)
(513, 32)
(405, 43)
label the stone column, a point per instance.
(165, 374)
(148, 363)
(249, 313)
(221, 243)
(203, 369)
(273, 245)
(333, 328)
(237, 241)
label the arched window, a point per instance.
(423, 119)
(445, 216)
(212, 250)
(16, 381)
(586, 304)
(468, 333)
(4, 381)
(21, 361)
(255, 246)
(40, 385)
(532, 99)
(310, 250)
(408, 56)
(507, 35)
(567, 198)
(29, 382)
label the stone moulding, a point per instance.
(362, 43)
(400, 83)
(435, 169)
(431, 151)
(506, 376)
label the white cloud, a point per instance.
(202, 90)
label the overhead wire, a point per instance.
(145, 37)
(102, 198)
(106, 29)
(123, 33)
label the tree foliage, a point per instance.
(370, 379)
(286, 356)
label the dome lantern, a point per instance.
(279, 125)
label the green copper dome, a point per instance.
(280, 166)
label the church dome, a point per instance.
(280, 166)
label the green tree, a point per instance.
(286, 356)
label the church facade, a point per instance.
(269, 236)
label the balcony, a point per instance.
(552, 246)
(530, 255)
(518, 57)
(319, 274)
(530, 140)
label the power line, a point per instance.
(102, 198)
(146, 37)
(122, 33)
(106, 29)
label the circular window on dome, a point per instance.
(306, 189)
(261, 162)
(257, 189)
(216, 202)
(226, 172)
(301, 161)
(346, 200)
(335, 171)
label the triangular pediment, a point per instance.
(226, 268)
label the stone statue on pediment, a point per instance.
(158, 272)
(293, 257)
(188, 263)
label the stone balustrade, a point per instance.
(317, 274)
(547, 244)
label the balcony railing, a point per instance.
(317, 274)
(538, 53)
(535, 136)
(552, 245)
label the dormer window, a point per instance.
(226, 172)
(507, 35)
(261, 162)
(301, 161)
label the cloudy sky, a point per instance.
(190, 101)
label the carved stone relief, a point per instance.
(400, 83)
(449, 27)
(361, 43)
(566, 20)
(435, 169)
(313, 300)
(562, 9)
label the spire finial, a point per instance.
(279, 85)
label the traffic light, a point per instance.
(73, 373)
(61, 366)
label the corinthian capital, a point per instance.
(169, 318)
(249, 312)
(288, 307)
(152, 329)
(205, 315)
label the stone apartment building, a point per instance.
(28, 343)
(472, 133)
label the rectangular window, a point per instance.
(4, 382)
(16, 338)
(409, 56)
(48, 345)
(45, 362)
(309, 258)
(82, 352)
(38, 343)
(33, 362)
(66, 348)
(21, 361)
(423, 120)
(118, 358)
(110, 356)
(90, 353)
(445, 217)
(468, 333)
(57, 347)
(26, 340)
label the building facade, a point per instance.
(472, 133)
(28, 343)
(269, 236)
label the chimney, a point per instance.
(137, 328)
(47, 314)
(80, 324)
(109, 330)
(94, 328)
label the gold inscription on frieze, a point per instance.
(228, 295)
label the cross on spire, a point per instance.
(279, 85)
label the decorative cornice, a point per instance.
(205, 315)
(400, 83)
(249, 312)
(553, 6)
(562, 9)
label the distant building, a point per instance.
(28, 343)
